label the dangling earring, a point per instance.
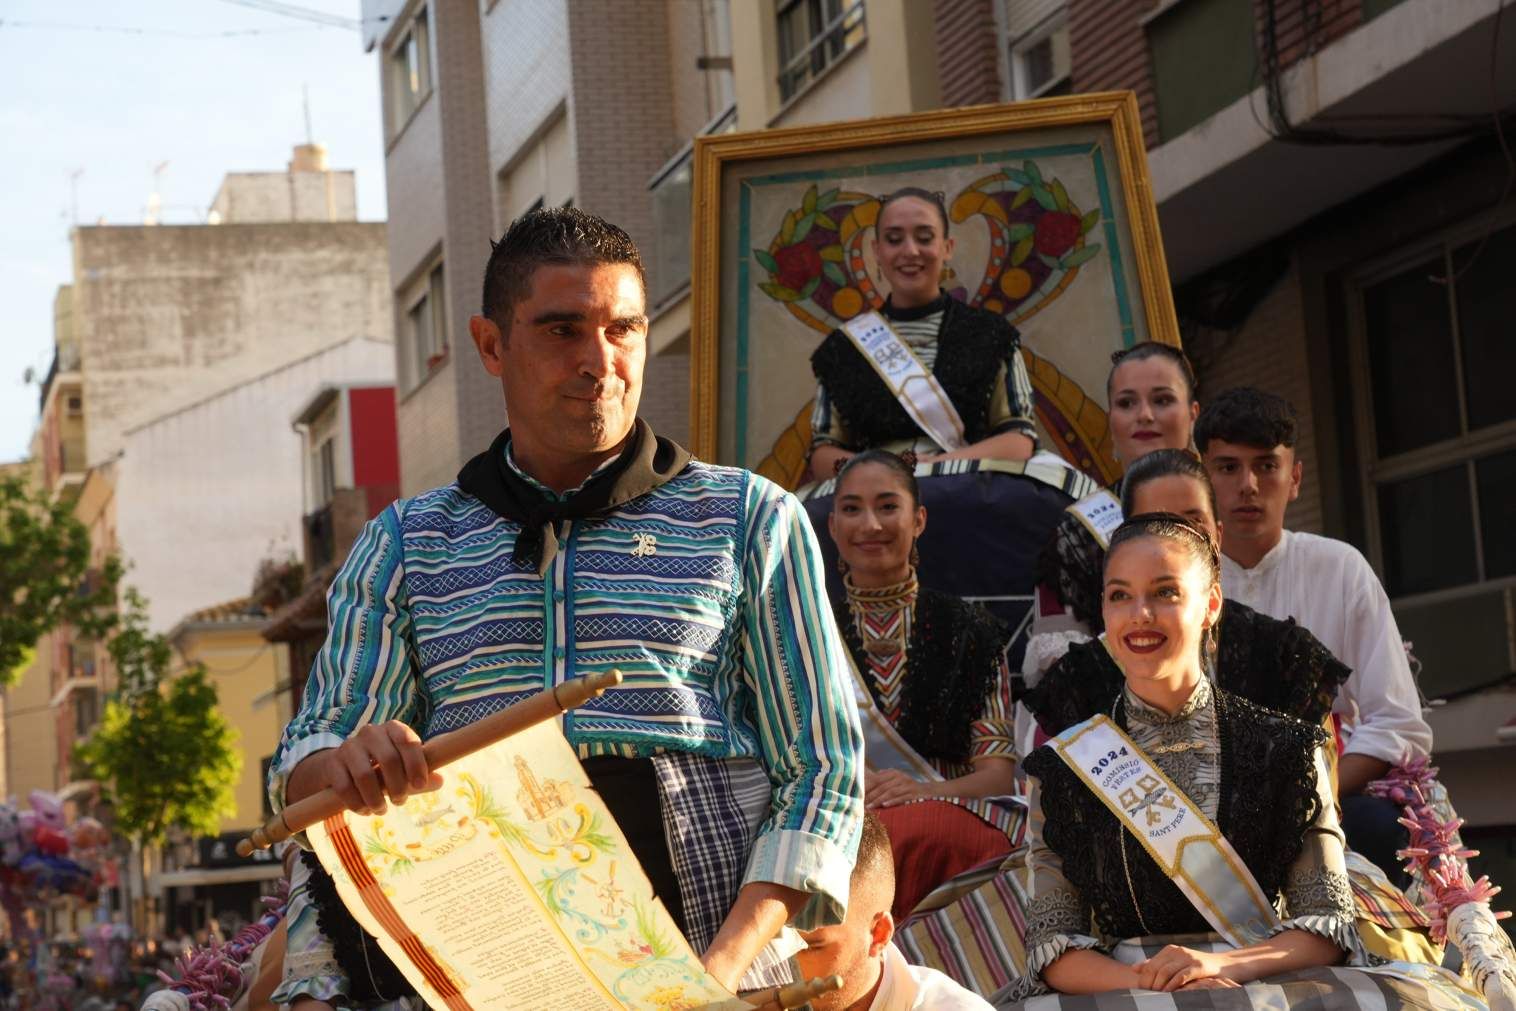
(842, 566)
(947, 274)
(915, 556)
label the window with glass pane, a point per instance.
(425, 337)
(410, 71)
(1487, 325)
(326, 472)
(1410, 343)
(1428, 532)
(671, 209)
(1439, 343)
(438, 297)
(812, 35)
(1496, 479)
(420, 337)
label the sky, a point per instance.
(117, 89)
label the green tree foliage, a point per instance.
(44, 562)
(163, 753)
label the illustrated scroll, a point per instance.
(512, 886)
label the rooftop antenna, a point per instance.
(155, 200)
(73, 194)
(305, 91)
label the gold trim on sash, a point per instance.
(1231, 900)
(907, 379)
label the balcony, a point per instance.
(320, 538)
(671, 189)
(332, 528)
(1230, 179)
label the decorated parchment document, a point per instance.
(512, 887)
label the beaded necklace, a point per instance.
(882, 615)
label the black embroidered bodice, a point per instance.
(1275, 664)
(1267, 800)
(972, 345)
(952, 664)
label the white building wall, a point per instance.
(526, 74)
(206, 493)
(253, 198)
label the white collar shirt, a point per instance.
(906, 987)
(1329, 588)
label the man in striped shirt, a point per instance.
(730, 755)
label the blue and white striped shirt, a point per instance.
(707, 594)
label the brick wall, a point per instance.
(469, 220)
(623, 122)
(666, 393)
(1269, 352)
(1109, 47)
(1108, 50)
(526, 70)
(1303, 28)
(968, 41)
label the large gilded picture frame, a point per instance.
(1055, 228)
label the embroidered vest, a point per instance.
(1268, 798)
(971, 346)
(951, 669)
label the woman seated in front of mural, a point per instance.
(1151, 392)
(1182, 837)
(931, 681)
(926, 373)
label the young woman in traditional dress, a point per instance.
(1151, 391)
(931, 679)
(972, 355)
(1182, 837)
(1277, 664)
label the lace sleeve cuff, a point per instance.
(1319, 891)
(1044, 954)
(1341, 932)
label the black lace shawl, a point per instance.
(1268, 799)
(971, 346)
(370, 974)
(1072, 564)
(1275, 664)
(952, 664)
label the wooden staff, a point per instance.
(795, 995)
(440, 751)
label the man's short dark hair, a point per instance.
(1246, 416)
(876, 860)
(557, 235)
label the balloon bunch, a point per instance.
(1436, 856)
(41, 856)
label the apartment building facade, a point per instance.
(159, 329)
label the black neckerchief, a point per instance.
(915, 312)
(645, 463)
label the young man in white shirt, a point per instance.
(875, 975)
(1247, 439)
